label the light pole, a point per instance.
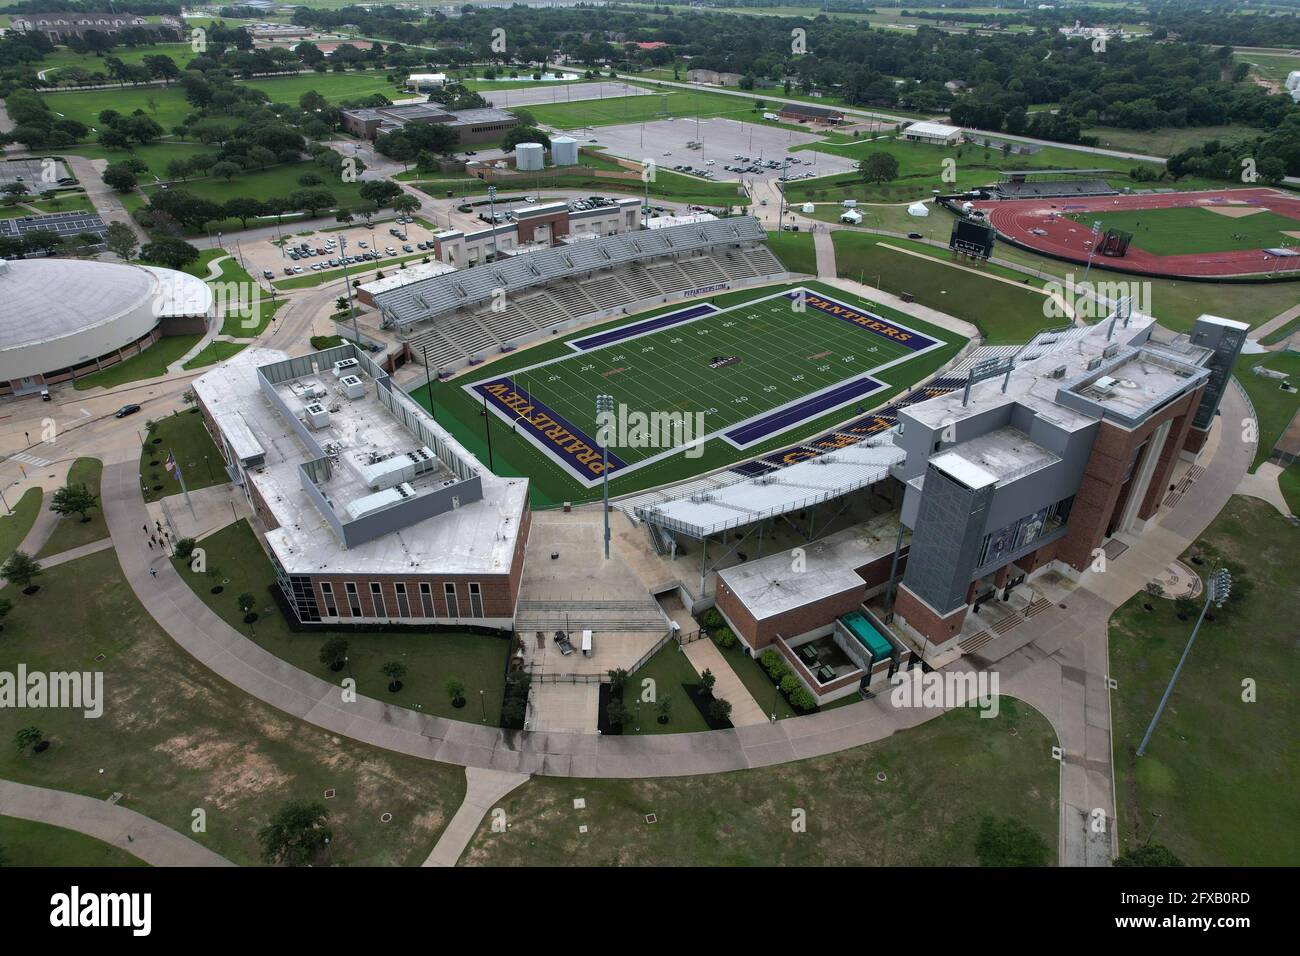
(605, 407)
(492, 206)
(1218, 588)
(347, 285)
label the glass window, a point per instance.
(377, 599)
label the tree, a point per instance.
(28, 738)
(455, 689)
(394, 671)
(616, 712)
(1008, 842)
(121, 241)
(246, 602)
(226, 170)
(664, 708)
(73, 500)
(244, 208)
(334, 652)
(406, 204)
(879, 168)
(1152, 854)
(184, 548)
(707, 680)
(719, 710)
(119, 178)
(617, 681)
(312, 200)
(524, 134)
(21, 569)
(296, 835)
(170, 252)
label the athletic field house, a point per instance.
(853, 486)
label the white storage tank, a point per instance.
(529, 157)
(564, 151)
(809, 208)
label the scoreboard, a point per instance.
(972, 238)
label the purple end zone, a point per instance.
(577, 450)
(866, 321)
(782, 419)
(639, 328)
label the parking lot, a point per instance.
(264, 256)
(32, 173)
(721, 141)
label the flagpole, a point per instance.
(181, 478)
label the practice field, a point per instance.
(1214, 233)
(1176, 232)
(741, 375)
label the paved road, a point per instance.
(123, 828)
(107, 203)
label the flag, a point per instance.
(170, 463)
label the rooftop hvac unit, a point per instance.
(1110, 350)
(317, 417)
(353, 387)
(380, 500)
(1105, 385)
(345, 366)
(1058, 372)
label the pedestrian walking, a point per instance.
(153, 572)
(150, 543)
(145, 527)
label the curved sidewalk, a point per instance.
(266, 677)
(125, 829)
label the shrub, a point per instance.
(1008, 842)
(790, 685)
(802, 699)
(711, 618)
(720, 710)
(772, 663)
(726, 638)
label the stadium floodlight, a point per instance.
(1217, 590)
(605, 408)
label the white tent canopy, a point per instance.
(918, 209)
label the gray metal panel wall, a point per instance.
(1226, 344)
(945, 545)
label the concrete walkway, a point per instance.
(125, 829)
(1273, 324)
(63, 557)
(1263, 484)
(483, 788)
(825, 249)
(704, 655)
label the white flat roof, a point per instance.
(412, 273)
(768, 586)
(1226, 323)
(926, 128)
(476, 538)
(967, 472)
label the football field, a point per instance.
(743, 375)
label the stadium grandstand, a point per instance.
(456, 318)
(1052, 184)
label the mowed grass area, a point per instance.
(27, 843)
(783, 355)
(1175, 232)
(669, 670)
(62, 58)
(795, 250)
(940, 779)
(236, 562)
(71, 531)
(215, 352)
(271, 183)
(1168, 140)
(335, 87)
(174, 737)
(183, 435)
(1219, 771)
(150, 363)
(1273, 407)
(15, 525)
(1271, 66)
(1004, 313)
(165, 105)
(549, 484)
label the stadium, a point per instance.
(100, 314)
(1232, 233)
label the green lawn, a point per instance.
(62, 58)
(1269, 65)
(1273, 407)
(1219, 772)
(1175, 232)
(14, 526)
(150, 363)
(940, 779)
(1002, 312)
(1169, 140)
(1281, 333)
(756, 681)
(183, 435)
(29, 844)
(215, 352)
(274, 182)
(236, 562)
(795, 250)
(166, 106)
(669, 669)
(174, 737)
(335, 87)
(71, 531)
(637, 109)
(370, 272)
(1289, 482)
(513, 455)
(154, 155)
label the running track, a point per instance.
(1015, 219)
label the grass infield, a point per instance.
(1187, 230)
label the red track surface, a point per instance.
(1065, 239)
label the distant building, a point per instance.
(803, 113)
(937, 134)
(714, 78)
(60, 27)
(424, 82)
(471, 126)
